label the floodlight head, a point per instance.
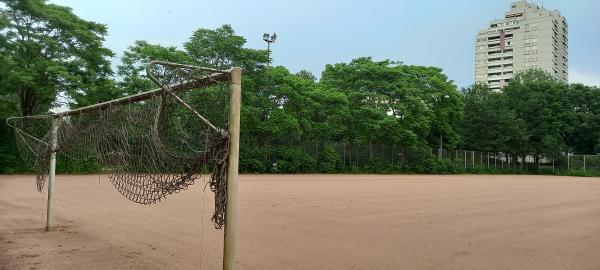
(266, 37)
(273, 37)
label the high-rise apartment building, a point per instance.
(528, 36)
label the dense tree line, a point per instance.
(49, 56)
(533, 115)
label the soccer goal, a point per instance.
(152, 144)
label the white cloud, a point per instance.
(576, 76)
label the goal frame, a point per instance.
(234, 76)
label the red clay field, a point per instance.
(312, 222)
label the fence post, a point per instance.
(344, 153)
(481, 159)
(357, 155)
(465, 159)
(455, 155)
(522, 161)
(473, 158)
(568, 162)
(553, 164)
(583, 163)
(495, 160)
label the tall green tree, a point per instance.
(392, 103)
(583, 117)
(489, 124)
(50, 51)
(541, 102)
(221, 48)
(132, 69)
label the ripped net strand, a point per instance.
(150, 149)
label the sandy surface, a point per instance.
(313, 222)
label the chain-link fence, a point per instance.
(346, 157)
(497, 160)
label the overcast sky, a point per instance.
(313, 33)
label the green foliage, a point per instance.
(393, 103)
(48, 57)
(582, 119)
(330, 161)
(292, 159)
(9, 163)
(46, 52)
(133, 64)
(252, 161)
(533, 115)
(489, 124)
(66, 164)
(539, 100)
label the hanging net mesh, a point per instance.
(151, 145)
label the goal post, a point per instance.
(147, 142)
(235, 100)
(52, 176)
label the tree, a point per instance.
(540, 101)
(392, 103)
(50, 51)
(489, 124)
(583, 116)
(305, 74)
(221, 48)
(133, 64)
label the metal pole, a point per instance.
(465, 159)
(456, 157)
(441, 151)
(235, 99)
(473, 158)
(568, 162)
(481, 159)
(52, 175)
(268, 53)
(212, 79)
(583, 163)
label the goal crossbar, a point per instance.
(215, 78)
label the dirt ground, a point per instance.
(312, 222)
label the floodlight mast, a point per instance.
(269, 39)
